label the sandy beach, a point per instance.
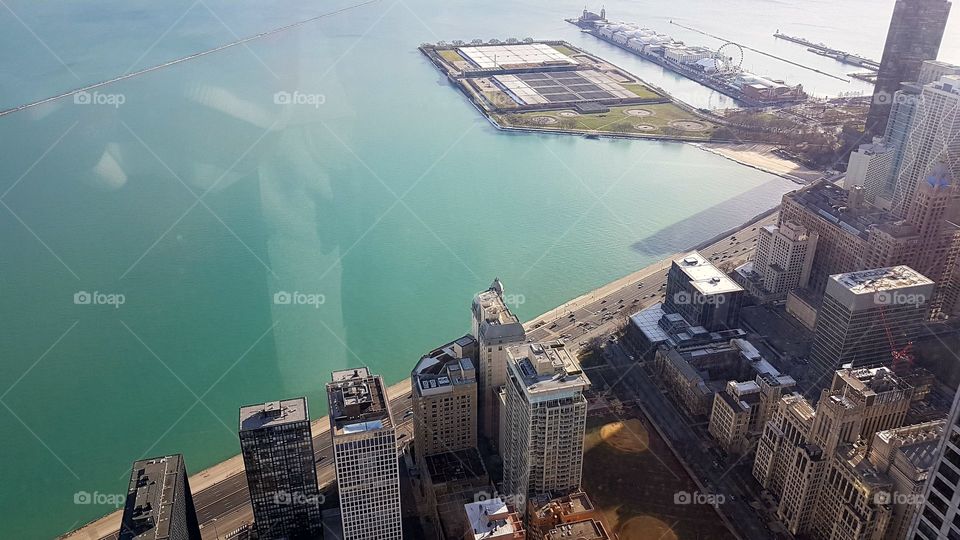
(761, 157)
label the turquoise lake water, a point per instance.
(192, 197)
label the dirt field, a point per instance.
(633, 478)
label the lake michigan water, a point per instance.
(152, 238)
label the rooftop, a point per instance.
(446, 367)
(704, 276)
(832, 203)
(358, 402)
(154, 484)
(273, 413)
(546, 504)
(514, 55)
(547, 367)
(492, 518)
(587, 529)
(455, 466)
(881, 279)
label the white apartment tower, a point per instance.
(365, 451)
(934, 138)
(496, 328)
(546, 415)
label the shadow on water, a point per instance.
(720, 217)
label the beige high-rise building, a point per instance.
(495, 328)
(781, 263)
(546, 418)
(444, 384)
(814, 461)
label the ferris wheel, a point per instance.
(728, 58)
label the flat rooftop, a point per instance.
(495, 311)
(514, 55)
(455, 466)
(273, 413)
(832, 203)
(587, 529)
(154, 483)
(868, 382)
(358, 402)
(547, 367)
(491, 518)
(881, 279)
(704, 276)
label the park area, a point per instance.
(634, 480)
(652, 120)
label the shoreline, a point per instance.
(759, 156)
(218, 472)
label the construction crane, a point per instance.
(902, 356)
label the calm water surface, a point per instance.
(384, 204)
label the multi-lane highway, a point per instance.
(224, 506)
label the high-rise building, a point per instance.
(365, 453)
(159, 504)
(702, 293)
(278, 459)
(813, 463)
(906, 456)
(444, 386)
(546, 416)
(880, 189)
(916, 30)
(866, 316)
(496, 328)
(932, 140)
(932, 70)
(870, 167)
(939, 515)
(781, 263)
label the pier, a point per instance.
(836, 54)
(758, 51)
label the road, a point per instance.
(224, 506)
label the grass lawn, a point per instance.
(641, 90)
(617, 120)
(450, 55)
(565, 50)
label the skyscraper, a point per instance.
(546, 415)
(865, 317)
(496, 328)
(444, 393)
(159, 503)
(932, 141)
(811, 460)
(277, 449)
(939, 516)
(781, 263)
(365, 451)
(702, 294)
(915, 32)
